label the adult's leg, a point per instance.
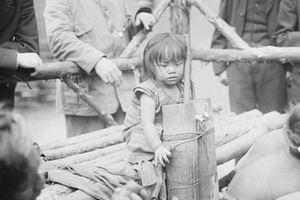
(270, 85)
(77, 125)
(241, 91)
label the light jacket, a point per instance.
(83, 32)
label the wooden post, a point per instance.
(192, 171)
(180, 17)
(187, 70)
(209, 188)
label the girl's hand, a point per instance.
(161, 155)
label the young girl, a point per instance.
(162, 73)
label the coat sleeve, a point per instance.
(63, 41)
(8, 59)
(287, 33)
(218, 40)
(26, 35)
(25, 38)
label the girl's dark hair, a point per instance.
(162, 48)
(19, 178)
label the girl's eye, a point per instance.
(162, 64)
(179, 63)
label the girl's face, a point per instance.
(169, 73)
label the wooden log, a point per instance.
(62, 69)
(82, 138)
(58, 70)
(83, 147)
(260, 54)
(228, 129)
(80, 158)
(105, 160)
(221, 25)
(183, 178)
(208, 187)
(187, 70)
(180, 17)
(240, 146)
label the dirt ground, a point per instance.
(48, 125)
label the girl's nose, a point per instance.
(172, 68)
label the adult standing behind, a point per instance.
(88, 33)
(251, 85)
(18, 37)
(288, 35)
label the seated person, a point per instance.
(19, 178)
(271, 168)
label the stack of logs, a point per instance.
(234, 136)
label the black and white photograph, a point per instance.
(149, 99)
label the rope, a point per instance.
(172, 147)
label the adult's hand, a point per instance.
(223, 78)
(147, 19)
(108, 71)
(29, 61)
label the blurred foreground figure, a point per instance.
(19, 178)
(271, 168)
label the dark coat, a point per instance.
(234, 12)
(288, 34)
(288, 30)
(18, 33)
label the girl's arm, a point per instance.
(148, 114)
(147, 118)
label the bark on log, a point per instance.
(106, 160)
(84, 147)
(240, 146)
(228, 129)
(270, 53)
(260, 54)
(80, 158)
(221, 25)
(82, 138)
(58, 70)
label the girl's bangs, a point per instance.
(168, 51)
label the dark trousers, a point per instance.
(259, 86)
(77, 125)
(7, 93)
